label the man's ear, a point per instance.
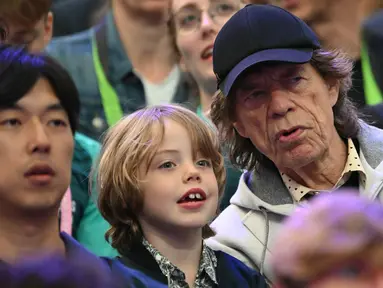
(333, 87)
(48, 28)
(238, 126)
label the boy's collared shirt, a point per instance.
(206, 275)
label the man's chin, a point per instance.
(40, 208)
(298, 158)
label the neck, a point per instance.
(147, 41)
(29, 235)
(182, 248)
(341, 27)
(206, 92)
(324, 173)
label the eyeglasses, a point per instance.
(189, 18)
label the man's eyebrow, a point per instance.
(291, 69)
(18, 107)
(54, 107)
(252, 83)
(13, 106)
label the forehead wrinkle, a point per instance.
(263, 74)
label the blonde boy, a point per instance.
(160, 177)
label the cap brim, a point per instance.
(283, 55)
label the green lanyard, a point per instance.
(372, 92)
(110, 102)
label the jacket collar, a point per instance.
(270, 191)
(74, 250)
(139, 257)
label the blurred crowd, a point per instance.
(257, 109)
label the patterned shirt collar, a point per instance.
(206, 275)
(353, 163)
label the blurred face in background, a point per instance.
(307, 10)
(36, 36)
(196, 24)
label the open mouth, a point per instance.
(288, 133)
(207, 53)
(192, 197)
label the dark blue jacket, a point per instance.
(231, 273)
(122, 276)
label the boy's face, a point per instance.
(36, 148)
(173, 173)
(36, 37)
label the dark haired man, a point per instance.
(30, 24)
(38, 120)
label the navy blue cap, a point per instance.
(256, 34)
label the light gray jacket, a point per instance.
(248, 227)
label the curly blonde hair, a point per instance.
(133, 141)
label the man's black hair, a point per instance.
(20, 71)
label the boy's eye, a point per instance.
(204, 163)
(167, 165)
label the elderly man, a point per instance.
(343, 250)
(283, 111)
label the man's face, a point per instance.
(36, 37)
(286, 111)
(36, 148)
(307, 10)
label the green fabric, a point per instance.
(89, 226)
(110, 101)
(200, 113)
(372, 92)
